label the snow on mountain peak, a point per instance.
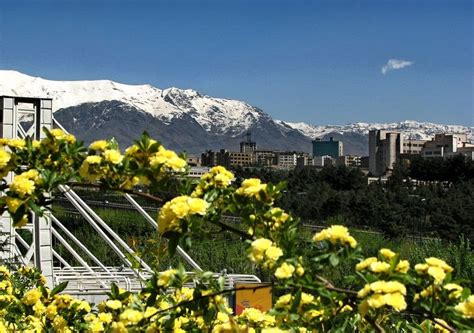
(211, 113)
(409, 128)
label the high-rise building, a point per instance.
(331, 148)
(384, 149)
(248, 146)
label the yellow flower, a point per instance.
(93, 159)
(306, 298)
(113, 156)
(437, 273)
(165, 277)
(13, 204)
(179, 208)
(59, 323)
(253, 315)
(376, 301)
(403, 266)
(31, 297)
(396, 301)
(455, 290)
(283, 301)
(105, 317)
(387, 253)
(113, 304)
(218, 176)
(22, 186)
(131, 150)
(167, 158)
(285, 271)
(51, 311)
(99, 145)
(388, 287)
(365, 263)
(4, 158)
(379, 267)
(421, 268)
(273, 253)
(96, 326)
(335, 234)
(197, 206)
(259, 246)
(251, 188)
(57, 133)
(131, 316)
(299, 270)
(39, 308)
(16, 143)
(466, 307)
(118, 327)
(435, 262)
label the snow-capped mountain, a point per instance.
(213, 114)
(409, 128)
(187, 120)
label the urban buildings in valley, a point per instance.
(387, 147)
(446, 145)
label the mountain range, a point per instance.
(186, 120)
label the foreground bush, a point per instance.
(388, 293)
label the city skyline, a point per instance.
(321, 63)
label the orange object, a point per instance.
(259, 298)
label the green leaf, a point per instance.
(334, 260)
(59, 288)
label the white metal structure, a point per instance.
(21, 117)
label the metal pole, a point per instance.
(147, 216)
(105, 226)
(78, 243)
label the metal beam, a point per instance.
(147, 217)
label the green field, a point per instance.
(225, 251)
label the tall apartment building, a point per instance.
(445, 145)
(331, 148)
(384, 149)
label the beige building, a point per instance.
(348, 160)
(445, 145)
(384, 148)
(413, 146)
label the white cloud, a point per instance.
(393, 64)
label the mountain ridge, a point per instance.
(212, 120)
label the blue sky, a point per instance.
(314, 61)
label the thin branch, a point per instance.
(376, 325)
(328, 285)
(227, 227)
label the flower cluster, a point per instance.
(252, 188)
(336, 234)
(264, 252)
(381, 293)
(218, 178)
(168, 159)
(175, 212)
(384, 265)
(436, 268)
